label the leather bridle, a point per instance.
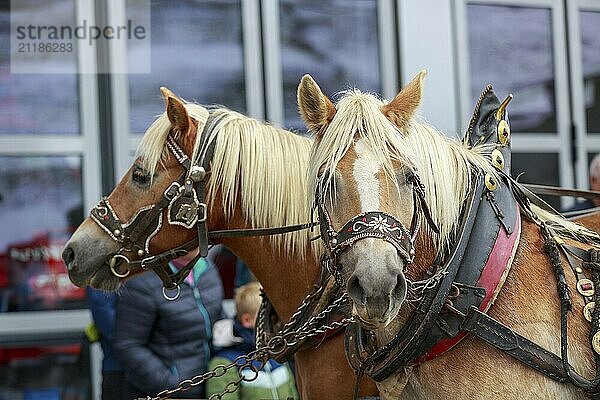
(184, 201)
(371, 224)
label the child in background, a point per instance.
(274, 381)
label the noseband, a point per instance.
(371, 224)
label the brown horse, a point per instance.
(371, 156)
(257, 178)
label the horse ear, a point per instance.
(180, 120)
(315, 108)
(402, 108)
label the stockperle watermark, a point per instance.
(63, 37)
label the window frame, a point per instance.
(523, 142)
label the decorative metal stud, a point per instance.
(490, 182)
(585, 287)
(579, 270)
(140, 252)
(588, 309)
(497, 159)
(188, 181)
(197, 173)
(596, 342)
(117, 232)
(503, 132)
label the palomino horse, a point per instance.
(376, 172)
(256, 178)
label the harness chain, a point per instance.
(275, 346)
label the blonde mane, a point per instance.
(444, 165)
(260, 166)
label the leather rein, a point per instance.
(184, 202)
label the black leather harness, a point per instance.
(450, 306)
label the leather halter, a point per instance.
(184, 201)
(372, 224)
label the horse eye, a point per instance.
(409, 177)
(141, 177)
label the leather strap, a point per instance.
(519, 347)
(559, 191)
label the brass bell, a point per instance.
(197, 173)
(497, 159)
(503, 132)
(490, 182)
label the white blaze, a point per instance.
(365, 171)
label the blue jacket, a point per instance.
(162, 342)
(103, 306)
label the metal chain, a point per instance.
(275, 346)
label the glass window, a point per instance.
(36, 103)
(196, 52)
(540, 168)
(334, 41)
(511, 48)
(590, 54)
(40, 203)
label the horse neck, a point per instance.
(285, 277)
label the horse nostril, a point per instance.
(68, 255)
(356, 291)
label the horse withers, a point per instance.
(255, 177)
(401, 208)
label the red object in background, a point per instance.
(38, 275)
(9, 354)
(4, 276)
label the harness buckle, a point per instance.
(202, 214)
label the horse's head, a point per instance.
(146, 214)
(368, 193)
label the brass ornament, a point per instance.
(585, 287)
(490, 182)
(596, 342)
(497, 159)
(501, 110)
(503, 132)
(588, 309)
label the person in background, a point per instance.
(103, 306)
(162, 342)
(274, 381)
(594, 185)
